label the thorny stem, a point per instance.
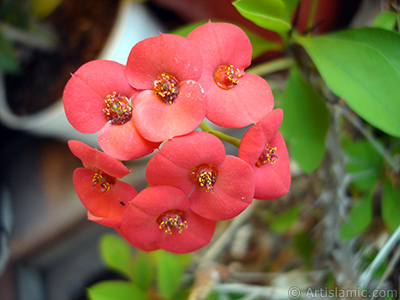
(272, 66)
(227, 138)
(356, 123)
(254, 291)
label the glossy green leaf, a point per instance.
(116, 253)
(385, 20)
(305, 122)
(115, 290)
(42, 9)
(390, 205)
(170, 272)
(359, 218)
(187, 28)
(362, 66)
(143, 270)
(269, 14)
(363, 162)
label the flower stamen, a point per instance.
(170, 220)
(205, 176)
(166, 87)
(104, 180)
(118, 110)
(267, 155)
(227, 77)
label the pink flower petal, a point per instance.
(85, 92)
(158, 121)
(257, 136)
(173, 164)
(124, 141)
(166, 53)
(233, 191)
(198, 234)
(92, 158)
(222, 43)
(110, 204)
(143, 246)
(244, 104)
(105, 221)
(141, 219)
(273, 180)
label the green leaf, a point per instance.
(283, 221)
(269, 14)
(390, 205)
(187, 28)
(359, 218)
(115, 290)
(305, 122)
(143, 270)
(42, 9)
(261, 45)
(364, 162)
(385, 20)
(8, 58)
(362, 66)
(170, 272)
(304, 245)
(116, 253)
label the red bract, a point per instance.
(97, 97)
(161, 215)
(166, 68)
(98, 186)
(220, 186)
(263, 148)
(235, 99)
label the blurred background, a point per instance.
(48, 250)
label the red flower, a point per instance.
(98, 186)
(97, 97)
(263, 148)
(220, 186)
(161, 215)
(166, 68)
(235, 99)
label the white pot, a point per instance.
(133, 24)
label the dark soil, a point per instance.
(82, 28)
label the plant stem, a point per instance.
(311, 16)
(227, 138)
(272, 66)
(366, 276)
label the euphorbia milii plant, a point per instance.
(219, 186)
(157, 102)
(263, 147)
(98, 98)
(98, 185)
(235, 98)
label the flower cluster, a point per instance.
(154, 105)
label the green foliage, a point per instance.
(386, 20)
(116, 253)
(42, 9)
(362, 67)
(115, 290)
(283, 221)
(305, 122)
(8, 58)
(359, 218)
(169, 274)
(143, 270)
(363, 162)
(304, 245)
(390, 205)
(274, 15)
